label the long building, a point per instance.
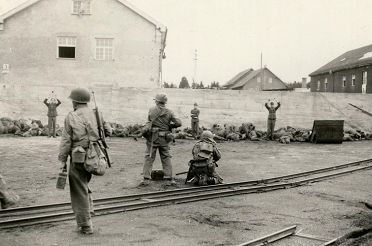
(80, 42)
(351, 72)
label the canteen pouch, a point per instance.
(169, 137)
(95, 162)
(78, 155)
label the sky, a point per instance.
(296, 37)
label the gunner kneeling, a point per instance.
(202, 166)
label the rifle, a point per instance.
(101, 133)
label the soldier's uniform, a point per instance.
(52, 115)
(162, 121)
(202, 169)
(271, 119)
(7, 198)
(195, 121)
(76, 127)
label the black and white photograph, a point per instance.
(185, 122)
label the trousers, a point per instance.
(195, 128)
(52, 126)
(270, 128)
(80, 193)
(165, 158)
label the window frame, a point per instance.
(318, 86)
(344, 81)
(365, 78)
(104, 48)
(325, 84)
(66, 45)
(82, 9)
(353, 79)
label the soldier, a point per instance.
(195, 121)
(158, 135)
(7, 198)
(271, 119)
(202, 166)
(75, 135)
(52, 103)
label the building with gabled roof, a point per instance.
(81, 42)
(260, 79)
(350, 72)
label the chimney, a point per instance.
(304, 82)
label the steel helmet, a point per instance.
(162, 98)
(206, 134)
(80, 95)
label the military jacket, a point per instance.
(163, 118)
(52, 107)
(195, 115)
(272, 111)
(216, 154)
(80, 127)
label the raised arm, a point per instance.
(277, 107)
(58, 102)
(46, 102)
(267, 106)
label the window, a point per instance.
(259, 79)
(66, 47)
(318, 87)
(81, 7)
(343, 81)
(270, 80)
(104, 49)
(325, 84)
(364, 77)
(353, 79)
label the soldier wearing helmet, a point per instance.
(80, 127)
(161, 122)
(52, 103)
(195, 121)
(202, 166)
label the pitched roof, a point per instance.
(245, 80)
(29, 3)
(237, 77)
(351, 59)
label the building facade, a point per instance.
(349, 73)
(258, 80)
(81, 42)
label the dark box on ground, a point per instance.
(327, 131)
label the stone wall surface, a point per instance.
(130, 105)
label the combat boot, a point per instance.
(86, 230)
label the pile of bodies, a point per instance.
(25, 128)
(227, 132)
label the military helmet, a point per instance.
(206, 134)
(195, 104)
(162, 98)
(80, 95)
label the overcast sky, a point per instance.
(296, 37)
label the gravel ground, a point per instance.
(327, 209)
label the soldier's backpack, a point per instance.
(205, 151)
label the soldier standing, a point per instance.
(75, 135)
(161, 121)
(195, 121)
(271, 119)
(52, 103)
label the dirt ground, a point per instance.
(328, 209)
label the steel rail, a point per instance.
(176, 199)
(157, 194)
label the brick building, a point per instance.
(81, 42)
(350, 73)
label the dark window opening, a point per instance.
(66, 52)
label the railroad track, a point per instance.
(47, 213)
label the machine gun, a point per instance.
(101, 133)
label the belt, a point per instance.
(163, 133)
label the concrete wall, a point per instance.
(128, 106)
(29, 46)
(335, 81)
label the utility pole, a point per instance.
(195, 65)
(261, 75)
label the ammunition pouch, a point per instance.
(78, 155)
